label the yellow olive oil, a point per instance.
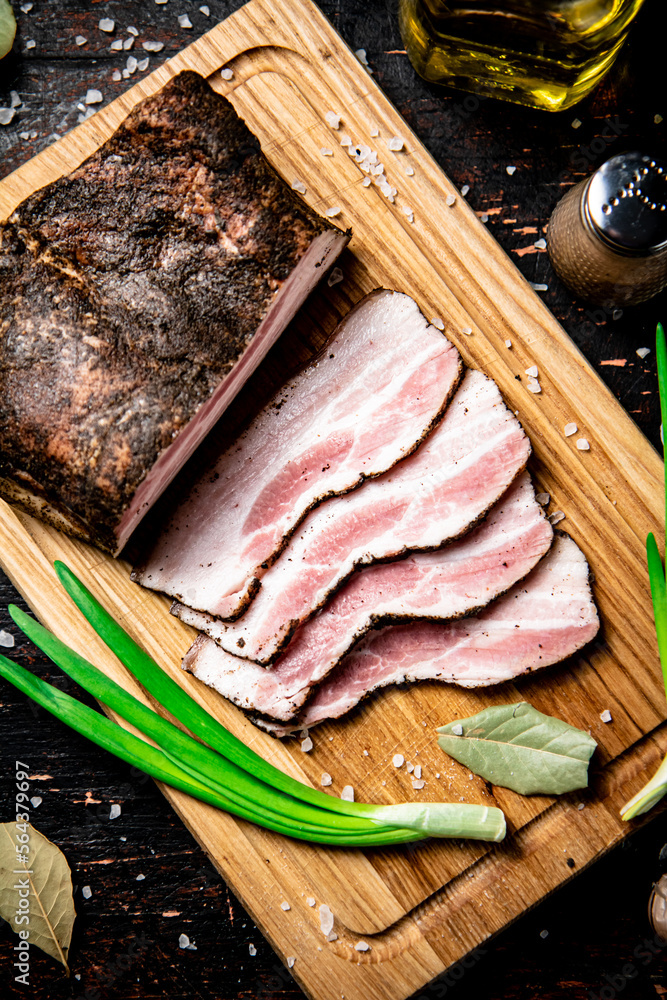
(544, 53)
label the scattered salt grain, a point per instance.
(24, 135)
(285, 906)
(326, 919)
(450, 200)
(227, 74)
(606, 715)
(437, 774)
(325, 151)
(332, 212)
(345, 140)
(184, 21)
(117, 45)
(538, 286)
(106, 24)
(86, 892)
(533, 370)
(94, 97)
(533, 386)
(205, 10)
(418, 771)
(36, 801)
(161, 1)
(581, 806)
(508, 343)
(510, 170)
(114, 812)
(299, 186)
(398, 760)
(457, 730)
(361, 56)
(31, 43)
(484, 217)
(128, 43)
(544, 934)
(290, 961)
(557, 516)
(418, 785)
(306, 745)
(25, 8)
(131, 30)
(396, 144)
(643, 352)
(252, 951)
(583, 445)
(362, 946)
(409, 768)
(332, 119)
(80, 40)
(543, 499)
(310, 900)
(347, 794)
(437, 323)
(332, 936)
(335, 278)
(576, 123)
(467, 330)
(570, 429)
(366, 182)
(465, 189)
(151, 46)
(143, 64)
(326, 779)
(185, 942)
(540, 244)
(6, 639)
(116, 75)
(140, 878)
(365, 753)
(131, 64)
(657, 119)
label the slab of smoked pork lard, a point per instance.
(137, 294)
(380, 385)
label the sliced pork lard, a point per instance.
(543, 620)
(380, 385)
(446, 584)
(430, 498)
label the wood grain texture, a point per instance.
(476, 289)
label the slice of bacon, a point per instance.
(427, 500)
(380, 385)
(442, 585)
(543, 620)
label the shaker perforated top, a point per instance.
(626, 203)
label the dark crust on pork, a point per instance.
(128, 290)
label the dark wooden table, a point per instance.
(126, 937)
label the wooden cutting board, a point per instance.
(421, 908)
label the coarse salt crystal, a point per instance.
(570, 429)
(510, 170)
(465, 189)
(128, 43)
(409, 768)
(116, 75)
(106, 24)
(290, 961)
(31, 43)
(22, 135)
(418, 771)
(332, 212)
(544, 934)
(540, 244)
(557, 516)
(643, 352)
(25, 8)
(36, 801)
(365, 753)
(143, 64)
(140, 878)
(534, 386)
(15, 101)
(151, 46)
(457, 729)
(299, 186)
(508, 343)
(285, 906)
(581, 806)
(326, 779)
(131, 64)
(398, 760)
(6, 639)
(132, 30)
(467, 330)
(533, 370)
(94, 97)
(114, 812)
(184, 21)
(183, 941)
(409, 213)
(450, 200)
(306, 745)
(543, 499)
(538, 286)
(583, 445)
(117, 45)
(437, 323)
(80, 40)
(418, 785)
(484, 217)
(326, 919)
(606, 715)
(332, 119)
(335, 278)
(325, 151)
(205, 10)
(410, 171)
(347, 794)
(345, 140)
(227, 74)
(310, 900)
(575, 123)
(374, 132)
(366, 182)
(252, 951)
(86, 892)
(396, 144)
(362, 946)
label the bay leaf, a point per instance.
(520, 748)
(50, 904)
(7, 27)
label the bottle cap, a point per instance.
(625, 203)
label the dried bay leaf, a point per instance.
(7, 27)
(51, 907)
(520, 748)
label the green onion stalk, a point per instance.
(212, 764)
(656, 788)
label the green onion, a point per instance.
(656, 788)
(225, 772)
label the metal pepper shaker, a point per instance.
(607, 237)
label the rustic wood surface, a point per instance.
(474, 145)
